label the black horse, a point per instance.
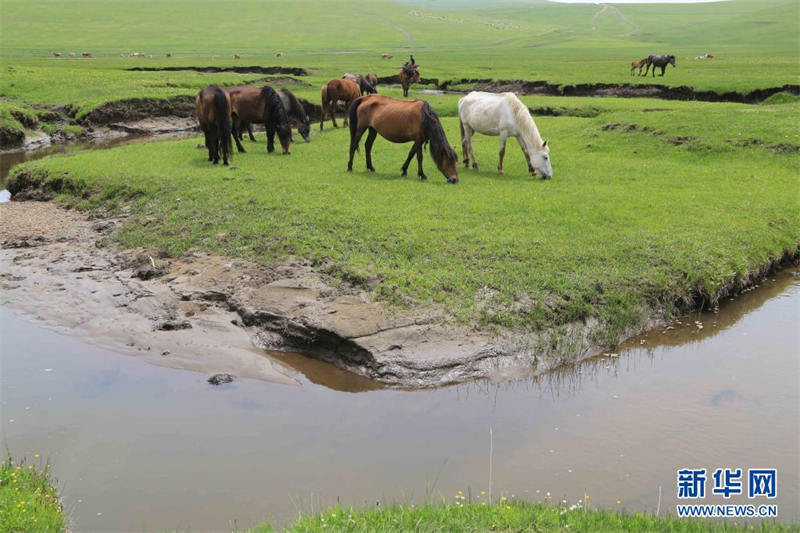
(293, 108)
(659, 61)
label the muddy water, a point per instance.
(142, 447)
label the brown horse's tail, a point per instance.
(222, 115)
(353, 115)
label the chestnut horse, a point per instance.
(408, 75)
(213, 107)
(332, 92)
(254, 104)
(399, 121)
(639, 64)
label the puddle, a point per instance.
(139, 447)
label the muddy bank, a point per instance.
(293, 71)
(139, 108)
(138, 300)
(626, 90)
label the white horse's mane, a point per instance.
(525, 121)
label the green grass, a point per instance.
(631, 223)
(507, 516)
(29, 502)
(755, 43)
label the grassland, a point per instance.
(28, 500)
(755, 43)
(506, 516)
(653, 204)
(647, 207)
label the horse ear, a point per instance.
(544, 144)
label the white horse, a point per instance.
(504, 115)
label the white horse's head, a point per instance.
(539, 162)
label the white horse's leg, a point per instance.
(470, 133)
(464, 143)
(503, 138)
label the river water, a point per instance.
(136, 446)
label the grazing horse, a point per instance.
(504, 115)
(640, 64)
(399, 121)
(253, 104)
(332, 92)
(408, 75)
(372, 78)
(659, 61)
(366, 86)
(213, 107)
(293, 108)
(386, 56)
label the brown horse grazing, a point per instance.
(372, 78)
(332, 92)
(213, 107)
(399, 121)
(408, 75)
(638, 64)
(261, 104)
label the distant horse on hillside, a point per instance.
(293, 108)
(365, 85)
(333, 91)
(399, 121)
(213, 107)
(640, 64)
(253, 104)
(659, 61)
(504, 115)
(408, 74)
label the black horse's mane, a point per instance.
(275, 113)
(296, 106)
(434, 133)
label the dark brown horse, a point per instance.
(332, 92)
(640, 64)
(213, 109)
(399, 121)
(254, 104)
(372, 78)
(294, 109)
(408, 75)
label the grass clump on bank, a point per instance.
(517, 516)
(29, 501)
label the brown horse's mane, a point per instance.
(434, 133)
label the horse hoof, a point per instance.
(423, 177)
(371, 169)
(242, 151)
(499, 172)
(475, 166)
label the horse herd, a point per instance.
(225, 114)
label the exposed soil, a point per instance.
(202, 311)
(292, 71)
(641, 90)
(140, 108)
